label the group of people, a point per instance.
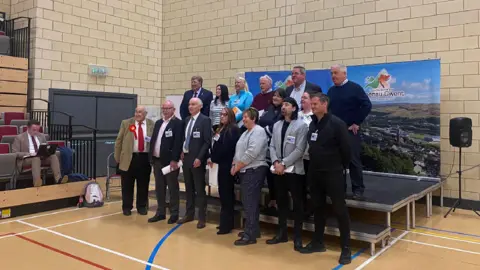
(297, 138)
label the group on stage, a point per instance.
(298, 140)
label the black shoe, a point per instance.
(172, 219)
(221, 232)
(277, 239)
(127, 213)
(345, 256)
(201, 224)
(358, 196)
(244, 241)
(185, 220)
(297, 244)
(142, 211)
(156, 218)
(313, 247)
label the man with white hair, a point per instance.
(197, 140)
(349, 102)
(264, 98)
(301, 85)
(131, 154)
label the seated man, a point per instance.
(27, 144)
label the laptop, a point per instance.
(44, 151)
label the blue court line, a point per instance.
(440, 230)
(353, 257)
(159, 244)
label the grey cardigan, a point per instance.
(294, 144)
(251, 148)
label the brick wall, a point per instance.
(218, 39)
(67, 35)
(5, 6)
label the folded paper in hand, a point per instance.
(287, 170)
(213, 175)
(166, 170)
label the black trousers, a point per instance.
(356, 167)
(331, 183)
(251, 182)
(306, 205)
(139, 171)
(161, 183)
(294, 184)
(272, 191)
(195, 189)
(227, 196)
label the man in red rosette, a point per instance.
(131, 154)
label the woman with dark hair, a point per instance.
(217, 105)
(223, 150)
(249, 162)
(271, 115)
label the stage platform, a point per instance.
(385, 193)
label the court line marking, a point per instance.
(445, 237)
(59, 225)
(369, 260)
(159, 244)
(353, 257)
(64, 253)
(440, 230)
(93, 245)
(440, 246)
(53, 213)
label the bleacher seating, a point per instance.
(7, 170)
(19, 123)
(9, 116)
(4, 148)
(7, 130)
(58, 143)
(2, 122)
(8, 139)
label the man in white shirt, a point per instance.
(27, 144)
(131, 153)
(165, 150)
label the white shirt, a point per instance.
(198, 92)
(158, 143)
(344, 82)
(135, 142)
(305, 117)
(31, 147)
(192, 119)
(297, 93)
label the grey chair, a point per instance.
(19, 123)
(8, 169)
(8, 139)
(2, 122)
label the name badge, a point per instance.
(168, 133)
(291, 139)
(216, 137)
(196, 134)
(147, 139)
(236, 101)
(313, 138)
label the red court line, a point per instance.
(58, 251)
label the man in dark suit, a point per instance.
(197, 140)
(301, 85)
(196, 92)
(165, 150)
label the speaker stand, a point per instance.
(460, 201)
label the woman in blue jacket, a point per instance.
(241, 100)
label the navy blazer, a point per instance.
(198, 147)
(205, 95)
(171, 146)
(309, 87)
(223, 149)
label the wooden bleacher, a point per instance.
(13, 84)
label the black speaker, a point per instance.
(461, 132)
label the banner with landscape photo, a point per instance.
(402, 133)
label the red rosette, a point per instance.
(133, 129)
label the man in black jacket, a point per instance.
(197, 91)
(329, 151)
(165, 150)
(301, 85)
(197, 140)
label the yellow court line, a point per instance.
(444, 236)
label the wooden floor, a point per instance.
(102, 238)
